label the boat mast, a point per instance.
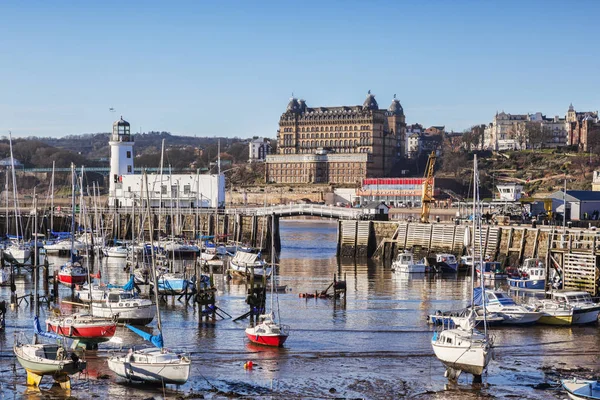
(479, 221)
(35, 268)
(52, 200)
(87, 247)
(162, 154)
(153, 261)
(474, 232)
(72, 209)
(565, 206)
(14, 182)
(7, 207)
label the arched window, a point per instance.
(322, 136)
(322, 143)
(327, 143)
(345, 143)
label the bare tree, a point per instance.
(518, 132)
(537, 134)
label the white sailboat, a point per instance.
(152, 365)
(18, 250)
(463, 348)
(41, 359)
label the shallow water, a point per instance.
(376, 344)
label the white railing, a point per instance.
(302, 209)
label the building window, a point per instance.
(163, 189)
(129, 154)
(186, 189)
(129, 169)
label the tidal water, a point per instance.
(374, 345)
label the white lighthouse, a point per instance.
(121, 157)
(187, 190)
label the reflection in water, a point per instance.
(377, 334)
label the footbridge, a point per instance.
(316, 210)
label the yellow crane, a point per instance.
(427, 195)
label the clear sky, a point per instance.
(228, 68)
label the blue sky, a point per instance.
(228, 68)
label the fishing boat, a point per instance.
(404, 263)
(152, 365)
(446, 263)
(492, 270)
(581, 389)
(585, 310)
(463, 348)
(244, 264)
(513, 313)
(534, 279)
(268, 331)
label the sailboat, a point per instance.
(17, 250)
(463, 348)
(268, 332)
(72, 272)
(83, 327)
(41, 359)
(152, 365)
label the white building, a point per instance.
(259, 149)
(413, 147)
(183, 190)
(510, 192)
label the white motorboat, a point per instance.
(97, 293)
(64, 246)
(125, 307)
(581, 389)
(404, 263)
(178, 247)
(585, 310)
(513, 313)
(116, 251)
(553, 312)
(245, 264)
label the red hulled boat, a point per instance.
(72, 273)
(83, 327)
(267, 332)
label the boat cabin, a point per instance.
(573, 298)
(446, 258)
(530, 263)
(405, 258)
(491, 266)
(496, 297)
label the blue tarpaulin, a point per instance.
(37, 329)
(156, 340)
(130, 284)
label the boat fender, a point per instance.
(248, 365)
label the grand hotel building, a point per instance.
(340, 145)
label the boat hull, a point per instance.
(267, 340)
(67, 279)
(579, 389)
(556, 319)
(45, 366)
(587, 315)
(518, 318)
(86, 333)
(472, 360)
(136, 315)
(150, 372)
(538, 284)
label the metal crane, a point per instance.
(427, 194)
